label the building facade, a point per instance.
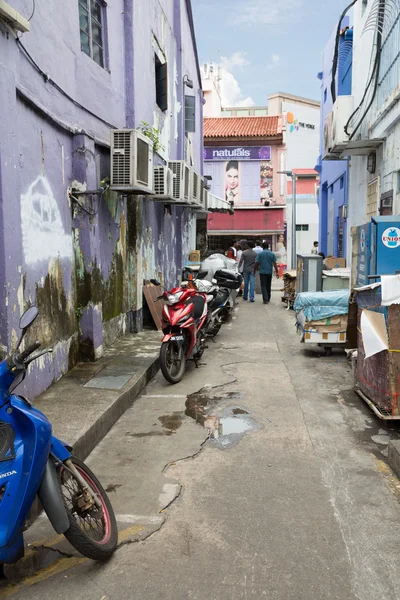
(334, 174)
(367, 126)
(301, 126)
(77, 250)
(242, 156)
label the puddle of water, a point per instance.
(226, 425)
(171, 422)
(113, 487)
(240, 411)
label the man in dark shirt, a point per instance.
(248, 262)
(265, 262)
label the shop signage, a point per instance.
(238, 153)
(391, 237)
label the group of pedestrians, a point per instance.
(253, 257)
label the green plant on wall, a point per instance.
(153, 134)
(79, 311)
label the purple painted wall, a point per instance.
(83, 259)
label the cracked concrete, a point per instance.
(304, 508)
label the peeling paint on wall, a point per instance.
(43, 234)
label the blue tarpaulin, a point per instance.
(322, 305)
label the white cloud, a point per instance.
(265, 12)
(237, 60)
(231, 94)
(276, 58)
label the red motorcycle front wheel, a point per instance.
(172, 361)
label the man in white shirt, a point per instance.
(258, 248)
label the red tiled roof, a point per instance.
(305, 172)
(233, 127)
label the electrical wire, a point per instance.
(375, 73)
(346, 127)
(49, 80)
(33, 10)
(336, 54)
(88, 212)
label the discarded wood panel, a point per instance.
(151, 293)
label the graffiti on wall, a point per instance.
(43, 233)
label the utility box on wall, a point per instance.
(376, 250)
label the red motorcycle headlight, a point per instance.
(174, 298)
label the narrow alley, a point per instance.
(289, 498)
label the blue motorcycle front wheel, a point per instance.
(93, 531)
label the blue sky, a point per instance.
(265, 46)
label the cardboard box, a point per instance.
(335, 263)
(194, 256)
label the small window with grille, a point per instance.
(92, 25)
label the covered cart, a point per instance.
(322, 318)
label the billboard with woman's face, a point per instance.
(232, 181)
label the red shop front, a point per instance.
(249, 224)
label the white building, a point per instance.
(371, 116)
(299, 153)
(301, 139)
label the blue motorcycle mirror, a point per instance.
(26, 321)
(28, 317)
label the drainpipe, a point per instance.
(129, 65)
(179, 58)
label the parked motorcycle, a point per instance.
(220, 305)
(184, 318)
(34, 462)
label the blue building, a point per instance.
(333, 194)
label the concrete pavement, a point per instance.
(291, 498)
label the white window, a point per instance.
(372, 199)
(92, 24)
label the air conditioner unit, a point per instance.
(131, 162)
(328, 137)
(201, 204)
(335, 138)
(163, 179)
(181, 181)
(205, 199)
(195, 188)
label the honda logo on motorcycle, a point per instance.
(8, 474)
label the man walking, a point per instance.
(265, 262)
(248, 262)
(258, 248)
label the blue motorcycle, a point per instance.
(35, 463)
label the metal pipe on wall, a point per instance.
(294, 215)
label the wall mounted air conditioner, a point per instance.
(181, 181)
(327, 137)
(195, 188)
(205, 199)
(201, 203)
(335, 138)
(163, 184)
(131, 162)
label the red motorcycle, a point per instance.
(184, 318)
